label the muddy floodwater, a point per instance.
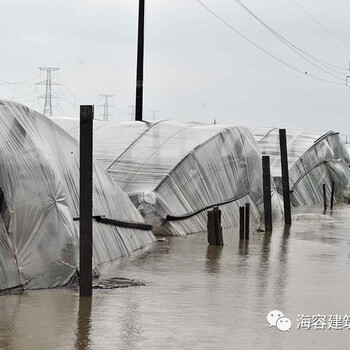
(200, 297)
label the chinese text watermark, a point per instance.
(276, 318)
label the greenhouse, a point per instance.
(39, 204)
(315, 158)
(174, 172)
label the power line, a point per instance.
(62, 111)
(321, 24)
(73, 105)
(21, 82)
(48, 91)
(300, 52)
(267, 52)
(31, 100)
(24, 95)
(76, 99)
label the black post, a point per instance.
(332, 195)
(241, 223)
(140, 57)
(211, 228)
(247, 220)
(85, 227)
(218, 227)
(214, 227)
(267, 193)
(324, 197)
(285, 177)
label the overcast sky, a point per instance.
(196, 68)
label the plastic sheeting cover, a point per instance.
(171, 168)
(314, 157)
(39, 181)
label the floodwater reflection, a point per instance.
(213, 258)
(8, 316)
(199, 297)
(262, 271)
(243, 247)
(281, 278)
(83, 331)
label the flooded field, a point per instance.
(200, 297)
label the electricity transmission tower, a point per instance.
(48, 92)
(106, 106)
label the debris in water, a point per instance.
(118, 282)
(313, 217)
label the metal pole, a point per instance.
(85, 227)
(247, 220)
(140, 57)
(267, 193)
(241, 223)
(285, 177)
(324, 197)
(332, 195)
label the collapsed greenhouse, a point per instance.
(315, 158)
(173, 172)
(39, 205)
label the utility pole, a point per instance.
(106, 106)
(48, 92)
(140, 57)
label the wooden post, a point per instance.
(140, 58)
(241, 223)
(324, 197)
(267, 193)
(85, 224)
(211, 228)
(214, 227)
(332, 195)
(218, 227)
(247, 220)
(285, 177)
